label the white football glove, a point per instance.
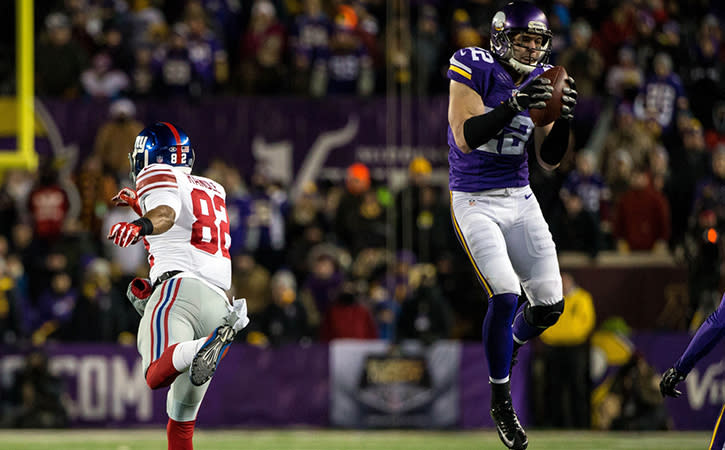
(237, 317)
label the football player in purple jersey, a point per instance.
(707, 336)
(495, 214)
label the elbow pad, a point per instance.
(555, 144)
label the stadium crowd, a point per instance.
(653, 182)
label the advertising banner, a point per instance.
(106, 387)
(375, 385)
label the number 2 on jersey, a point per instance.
(205, 212)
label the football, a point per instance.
(541, 117)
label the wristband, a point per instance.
(147, 227)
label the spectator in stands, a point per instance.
(702, 76)
(174, 70)
(267, 207)
(629, 134)
(144, 76)
(347, 318)
(703, 253)
(576, 229)
(584, 62)
(565, 355)
(427, 50)
(309, 42)
(322, 284)
(615, 31)
(588, 184)
(101, 313)
(284, 320)
(710, 192)
(115, 138)
(40, 396)
(399, 51)
(59, 61)
(251, 280)
(206, 50)
(347, 68)
(642, 216)
(306, 222)
(262, 67)
(96, 189)
(688, 164)
(624, 78)
(408, 206)
(48, 203)
(425, 315)
(357, 183)
(48, 316)
(114, 43)
(662, 97)
(102, 80)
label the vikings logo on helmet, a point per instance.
(162, 143)
(519, 17)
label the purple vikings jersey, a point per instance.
(503, 161)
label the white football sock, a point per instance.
(184, 353)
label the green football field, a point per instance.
(146, 439)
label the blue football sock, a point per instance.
(497, 339)
(523, 330)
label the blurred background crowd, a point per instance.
(645, 172)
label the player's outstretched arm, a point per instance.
(707, 336)
(156, 221)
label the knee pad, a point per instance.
(543, 316)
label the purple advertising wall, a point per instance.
(247, 131)
(291, 385)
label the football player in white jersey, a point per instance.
(495, 214)
(187, 319)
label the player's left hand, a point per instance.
(124, 234)
(128, 197)
(568, 100)
(138, 293)
(669, 381)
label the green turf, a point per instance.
(131, 439)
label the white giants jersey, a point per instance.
(199, 240)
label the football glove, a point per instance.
(128, 197)
(532, 96)
(669, 382)
(237, 317)
(138, 293)
(568, 100)
(124, 234)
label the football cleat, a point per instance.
(508, 427)
(211, 352)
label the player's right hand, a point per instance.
(128, 197)
(124, 234)
(533, 96)
(669, 381)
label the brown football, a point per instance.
(541, 117)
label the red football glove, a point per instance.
(124, 234)
(128, 197)
(138, 293)
(141, 288)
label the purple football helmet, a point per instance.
(519, 17)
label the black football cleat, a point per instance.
(207, 358)
(508, 427)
